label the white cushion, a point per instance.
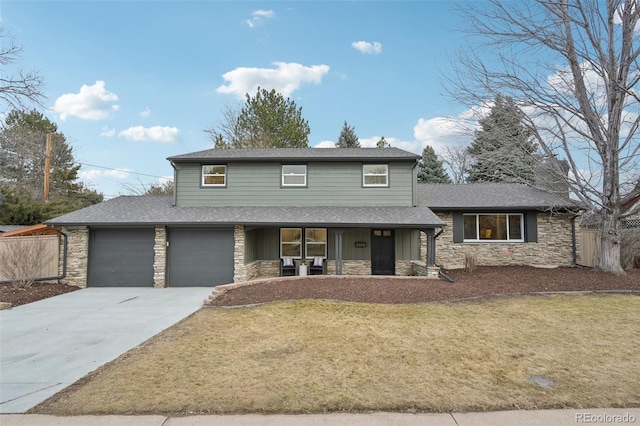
(287, 261)
(318, 261)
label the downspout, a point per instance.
(64, 252)
(440, 273)
(175, 184)
(64, 259)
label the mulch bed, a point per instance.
(484, 281)
(16, 296)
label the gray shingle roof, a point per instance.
(297, 154)
(489, 196)
(145, 210)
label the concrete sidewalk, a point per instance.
(498, 418)
(48, 345)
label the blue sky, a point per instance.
(130, 83)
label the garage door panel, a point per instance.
(121, 257)
(200, 257)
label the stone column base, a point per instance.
(433, 272)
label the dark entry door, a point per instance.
(383, 259)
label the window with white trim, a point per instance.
(494, 227)
(294, 175)
(315, 242)
(375, 175)
(214, 175)
(291, 242)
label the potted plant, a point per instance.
(302, 269)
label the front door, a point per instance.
(383, 259)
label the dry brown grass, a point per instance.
(315, 356)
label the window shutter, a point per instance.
(458, 227)
(531, 227)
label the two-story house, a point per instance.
(237, 213)
(241, 214)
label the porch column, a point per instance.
(338, 246)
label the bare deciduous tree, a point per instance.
(572, 68)
(18, 88)
(458, 160)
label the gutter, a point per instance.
(64, 259)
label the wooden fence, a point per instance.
(589, 254)
(31, 257)
(589, 239)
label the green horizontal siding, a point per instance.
(328, 184)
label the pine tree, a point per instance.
(348, 138)
(382, 143)
(503, 149)
(430, 168)
(22, 162)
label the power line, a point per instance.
(121, 170)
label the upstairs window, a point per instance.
(214, 175)
(375, 175)
(294, 175)
(494, 227)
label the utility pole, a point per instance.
(47, 168)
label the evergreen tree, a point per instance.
(348, 138)
(382, 143)
(430, 168)
(22, 166)
(266, 120)
(503, 149)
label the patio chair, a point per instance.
(287, 267)
(318, 266)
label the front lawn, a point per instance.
(319, 356)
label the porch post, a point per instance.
(338, 246)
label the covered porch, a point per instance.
(389, 245)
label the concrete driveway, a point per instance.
(48, 345)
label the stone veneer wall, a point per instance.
(160, 257)
(240, 270)
(554, 246)
(77, 255)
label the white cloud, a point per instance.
(163, 180)
(91, 103)
(93, 174)
(439, 132)
(325, 144)
(374, 48)
(258, 17)
(285, 78)
(145, 113)
(108, 132)
(162, 134)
